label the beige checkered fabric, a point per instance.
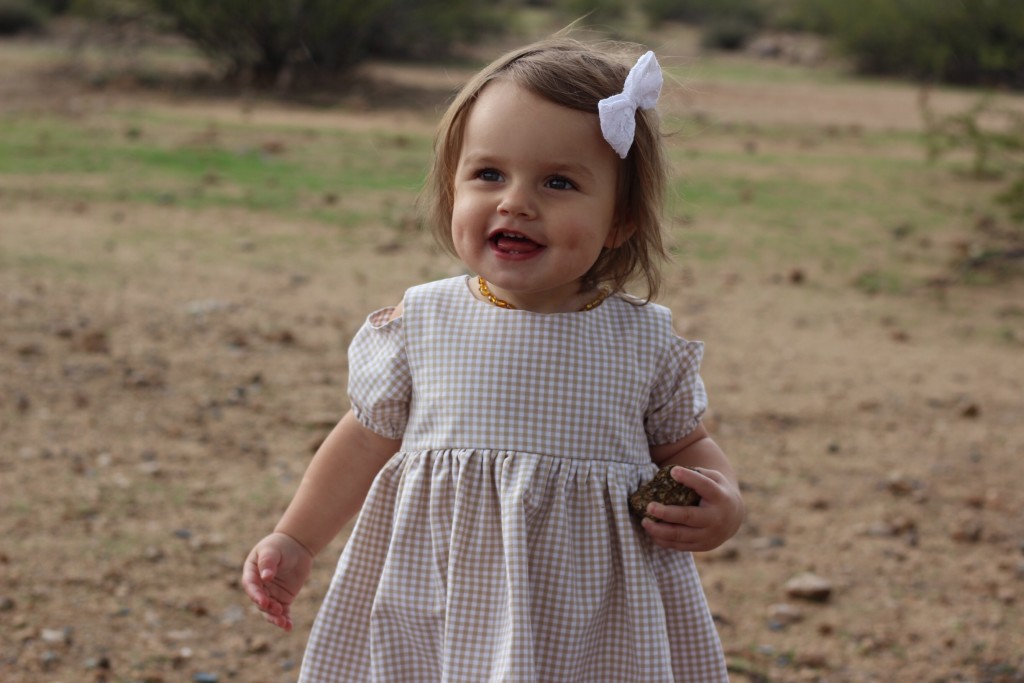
(497, 545)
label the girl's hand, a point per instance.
(273, 574)
(701, 527)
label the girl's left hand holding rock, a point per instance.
(701, 527)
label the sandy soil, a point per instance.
(165, 375)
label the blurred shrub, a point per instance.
(968, 42)
(593, 12)
(265, 39)
(54, 6)
(752, 12)
(427, 29)
(728, 33)
(726, 24)
(20, 16)
(993, 135)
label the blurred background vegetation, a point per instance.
(965, 42)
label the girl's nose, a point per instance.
(516, 202)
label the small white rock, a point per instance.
(808, 586)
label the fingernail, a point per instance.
(266, 574)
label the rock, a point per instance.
(56, 636)
(812, 660)
(767, 543)
(49, 659)
(967, 530)
(784, 614)
(205, 677)
(810, 587)
(662, 489)
(257, 646)
(899, 484)
(94, 341)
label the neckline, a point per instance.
(468, 279)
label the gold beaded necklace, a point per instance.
(501, 303)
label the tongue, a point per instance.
(521, 245)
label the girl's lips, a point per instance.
(511, 243)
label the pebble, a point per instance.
(784, 614)
(967, 529)
(808, 586)
(56, 636)
(205, 677)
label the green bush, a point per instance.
(594, 12)
(262, 39)
(748, 12)
(20, 16)
(726, 24)
(968, 42)
(427, 29)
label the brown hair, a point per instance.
(575, 75)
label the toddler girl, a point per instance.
(500, 421)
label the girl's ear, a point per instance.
(618, 236)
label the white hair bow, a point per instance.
(618, 112)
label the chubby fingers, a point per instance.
(252, 584)
(676, 536)
(707, 483)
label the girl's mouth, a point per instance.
(513, 243)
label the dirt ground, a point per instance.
(165, 375)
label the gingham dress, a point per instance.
(496, 545)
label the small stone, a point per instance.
(95, 341)
(205, 677)
(7, 603)
(967, 530)
(808, 586)
(812, 660)
(767, 543)
(258, 646)
(99, 663)
(56, 636)
(662, 489)
(48, 659)
(784, 614)
(900, 484)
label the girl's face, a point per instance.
(535, 191)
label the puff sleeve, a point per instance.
(678, 399)
(379, 379)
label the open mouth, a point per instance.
(513, 243)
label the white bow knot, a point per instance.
(618, 112)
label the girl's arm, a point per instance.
(335, 483)
(331, 493)
(721, 510)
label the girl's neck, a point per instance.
(574, 302)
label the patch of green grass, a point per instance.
(880, 281)
(750, 71)
(298, 178)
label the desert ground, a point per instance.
(182, 268)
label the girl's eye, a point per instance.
(560, 183)
(489, 175)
